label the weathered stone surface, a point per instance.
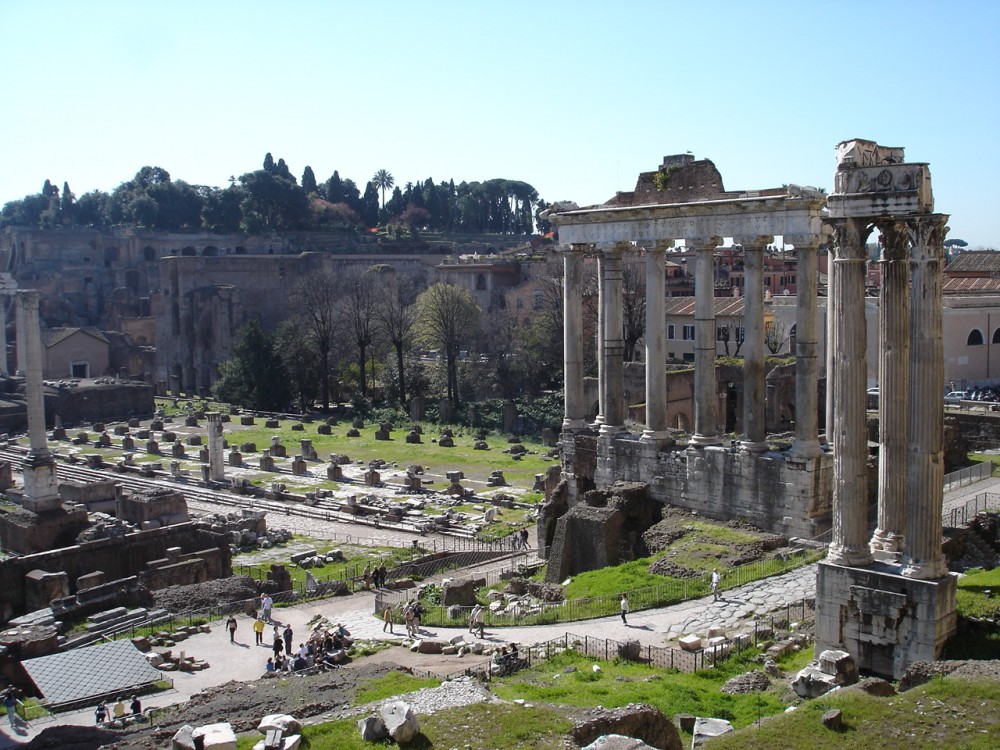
(215, 736)
(705, 729)
(372, 729)
(461, 592)
(875, 686)
(750, 682)
(833, 719)
(400, 721)
(431, 646)
(639, 721)
(183, 739)
(617, 742)
(834, 668)
(286, 723)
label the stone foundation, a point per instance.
(884, 620)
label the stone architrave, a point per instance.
(706, 399)
(41, 486)
(849, 543)
(894, 383)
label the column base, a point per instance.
(849, 557)
(753, 446)
(886, 546)
(573, 425)
(806, 449)
(659, 437)
(610, 430)
(927, 570)
(702, 441)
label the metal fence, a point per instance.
(968, 475)
(982, 503)
(546, 613)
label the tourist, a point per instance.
(118, 710)
(514, 655)
(481, 621)
(10, 701)
(382, 573)
(278, 645)
(269, 667)
(135, 707)
(258, 631)
(472, 618)
(387, 620)
(288, 639)
(524, 539)
(231, 627)
(101, 714)
(623, 605)
(716, 583)
(266, 603)
(368, 576)
(408, 618)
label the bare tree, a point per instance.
(396, 316)
(447, 316)
(633, 308)
(731, 330)
(359, 305)
(775, 336)
(317, 297)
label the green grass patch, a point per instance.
(944, 713)
(352, 566)
(392, 683)
(971, 597)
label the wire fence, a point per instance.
(547, 613)
(659, 657)
(982, 503)
(968, 475)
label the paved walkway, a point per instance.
(243, 661)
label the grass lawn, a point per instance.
(973, 601)
(353, 564)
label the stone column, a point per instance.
(216, 457)
(706, 398)
(893, 378)
(754, 387)
(574, 404)
(613, 386)
(41, 486)
(831, 340)
(849, 544)
(3, 334)
(656, 356)
(923, 559)
(599, 346)
(806, 443)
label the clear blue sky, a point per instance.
(575, 98)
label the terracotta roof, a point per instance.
(725, 307)
(970, 285)
(978, 261)
(53, 336)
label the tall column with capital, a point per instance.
(706, 398)
(41, 486)
(849, 544)
(599, 344)
(656, 356)
(613, 338)
(806, 443)
(574, 405)
(831, 341)
(923, 558)
(216, 457)
(894, 379)
(754, 394)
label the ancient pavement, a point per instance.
(243, 661)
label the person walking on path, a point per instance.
(288, 639)
(481, 621)
(278, 645)
(266, 603)
(258, 631)
(231, 626)
(716, 584)
(387, 619)
(624, 608)
(10, 703)
(472, 618)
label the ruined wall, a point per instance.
(117, 558)
(104, 402)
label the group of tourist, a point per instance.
(376, 576)
(504, 661)
(412, 613)
(323, 649)
(117, 712)
(519, 540)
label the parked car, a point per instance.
(954, 398)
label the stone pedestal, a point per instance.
(885, 620)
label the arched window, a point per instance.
(975, 338)
(996, 336)
(480, 282)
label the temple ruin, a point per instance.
(886, 598)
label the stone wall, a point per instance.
(116, 558)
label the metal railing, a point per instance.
(981, 503)
(568, 610)
(968, 475)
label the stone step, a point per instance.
(108, 615)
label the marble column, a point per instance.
(216, 455)
(893, 378)
(41, 486)
(613, 351)
(831, 341)
(806, 443)
(3, 334)
(574, 405)
(754, 393)
(706, 397)
(599, 344)
(656, 354)
(849, 543)
(923, 558)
